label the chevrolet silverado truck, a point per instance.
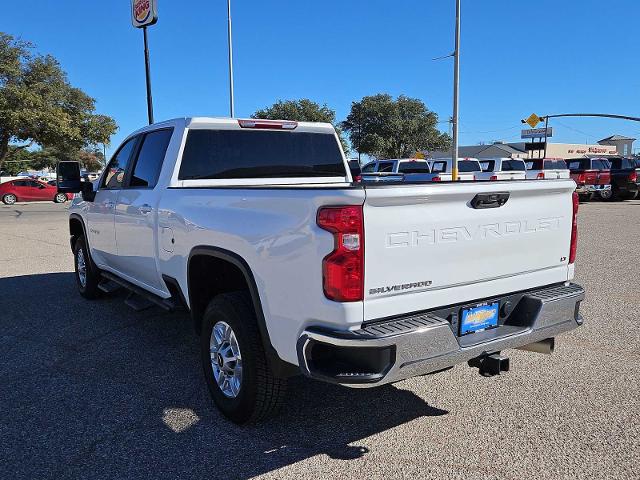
(494, 169)
(289, 267)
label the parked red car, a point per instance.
(28, 190)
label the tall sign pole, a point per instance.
(456, 96)
(143, 14)
(230, 42)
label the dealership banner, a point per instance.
(144, 12)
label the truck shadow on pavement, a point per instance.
(94, 389)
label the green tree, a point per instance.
(303, 110)
(38, 105)
(383, 127)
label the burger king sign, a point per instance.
(143, 13)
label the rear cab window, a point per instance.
(413, 167)
(243, 154)
(467, 166)
(513, 165)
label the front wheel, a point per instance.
(585, 197)
(239, 378)
(9, 199)
(87, 275)
(60, 198)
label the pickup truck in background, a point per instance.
(494, 169)
(592, 175)
(289, 267)
(468, 169)
(625, 178)
(546, 168)
(399, 170)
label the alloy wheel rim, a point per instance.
(226, 360)
(82, 268)
(61, 197)
(11, 199)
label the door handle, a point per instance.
(144, 209)
(109, 204)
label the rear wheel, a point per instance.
(606, 194)
(60, 198)
(87, 274)
(9, 199)
(239, 378)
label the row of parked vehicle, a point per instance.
(611, 178)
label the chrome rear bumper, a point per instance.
(396, 349)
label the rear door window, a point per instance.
(225, 154)
(147, 168)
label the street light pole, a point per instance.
(231, 100)
(456, 95)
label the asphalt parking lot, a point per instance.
(96, 390)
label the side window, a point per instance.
(114, 175)
(20, 183)
(34, 184)
(369, 167)
(147, 168)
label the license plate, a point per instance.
(479, 318)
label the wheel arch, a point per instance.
(237, 269)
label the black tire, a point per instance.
(89, 289)
(261, 393)
(9, 199)
(585, 197)
(60, 198)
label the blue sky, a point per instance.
(518, 57)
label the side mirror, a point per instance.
(68, 177)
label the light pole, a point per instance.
(231, 107)
(456, 95)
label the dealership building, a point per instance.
(613, 145)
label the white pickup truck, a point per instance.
(287, 266)
(494, 169)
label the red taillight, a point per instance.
(574, 230)
(633, 177)
(540, 176)
(581, 179)
(493, 177)
(343, 268)
(268, 124)
(357, 178)
(436, 179)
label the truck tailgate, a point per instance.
(427, 247)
